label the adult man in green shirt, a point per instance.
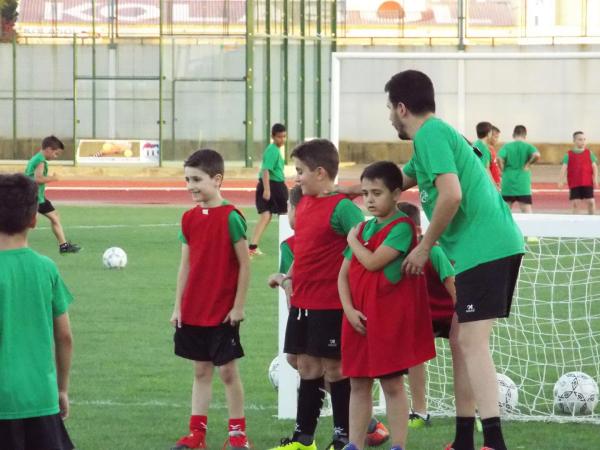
(476, 229)
(515, 160)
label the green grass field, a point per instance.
(129, 391)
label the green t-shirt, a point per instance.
(346, 215)
(483, 228)
(577, 150)
(32, 294)
(399, 238)
(515, 179)
(441, 263)
(237, 227)
(273, 162)
(287, 257)
(486, 156)
(30, 172)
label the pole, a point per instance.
(249, 145)
(160, 86)
(302, 87)
(94, 69)
(286, 71)
(461, 25)
(14, 93)
(74, 99)
(318, 73)
(268, 70)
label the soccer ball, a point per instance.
(114, 258)
(274, 372)
(575, 393)
(508, 395)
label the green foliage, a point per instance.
(8, 10)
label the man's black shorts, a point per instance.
(35, 433)
(45, 207)
(220, 344)
(518, 198)
(314, 332)
(581, 193)
(277, 204)
(441, 328)
(486, 291)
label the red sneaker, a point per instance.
(196, 439)
(238, 440)
(486, 448)
(378, 436)
(448, 447)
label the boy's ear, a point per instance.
(396, 193)
(33, 221)
(218, 179)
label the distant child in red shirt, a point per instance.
(209, 301)
(493, 145)
(387, 326)
(579, 167)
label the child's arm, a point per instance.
(236, 315)
(500, 163)
(595, 170)
(354, 316)
(372, 261)
(39, 177)
(266, 186)
(63, 345)
(182, 277)
(532, 159)
(451, 288)
(563, 176)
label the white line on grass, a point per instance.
(159, 403)
(111, 226)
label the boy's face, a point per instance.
(279, 138)
(52, 153)
(495, 138)
(309, 180)
(202, 187)
(379, 200)
(579, 141)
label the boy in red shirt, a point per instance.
(209, 301)
(387, 327)
(313, 332)
(579, 167)
(493, 145)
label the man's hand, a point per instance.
(414, 263)
(357, 319)
(235, 316)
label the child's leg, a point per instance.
(57, 228)
(340, 398)
(525, 208)
(416, 381)
(202, 387)
(292, 360)
(396, 405)
(591, 206)
(574, 206)
(310, 398)
(361, 409)
(263, 221)
(234, 392)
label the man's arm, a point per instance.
(38, 175)
(63, 344)
(451, 288)
(407, 182)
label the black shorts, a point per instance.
(486, 291)
(441, 328)
(581, 193)
(35, 433)
(219, 345)
(277, 204)
(46, 207)
(518, 198)
(314, 332)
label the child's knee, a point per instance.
(333, 370)
(229, 373)
(292, 360)
(203, 371)
(309, 367)
(393, 387)
(361, 385)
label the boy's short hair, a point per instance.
(412, 211)
(277, 128)
(318, 153)
(295, 195)
(18, 203)
(483, 129)
(520, 130)
(386, 171)
(52, 142)
(412, 88)
(577, 133)
(207, 160)
(495, 129)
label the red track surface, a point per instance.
(546, 197)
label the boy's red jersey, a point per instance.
(494, 169)
(318, 254)
(211, 286)
(441, 305)
(399, 332)
(580, 171)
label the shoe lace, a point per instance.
(286, 441)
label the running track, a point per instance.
(546, 197)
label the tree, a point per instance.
(8, 17)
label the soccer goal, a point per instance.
(553, 329)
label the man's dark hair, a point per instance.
(495, 129)
(52, 142)
(412, 88)
(318, 153)
(207, 160)
(295, 195)
(412, 211)
(577, 133)
(520, 130)
(386, 171)
(277, 128)
(18, 203)
(483, 129)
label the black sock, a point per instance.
(253, 246)
(463, 440)
(340, 404)
(310, 401)
(492, 433)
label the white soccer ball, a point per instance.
(576, 393)
(114, 258)
(274, 372)
(508, 394)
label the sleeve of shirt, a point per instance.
(287, 257)
(399, 238)
(436, 153)
(269, 160)
(237, 227)
(348, 253)
(409, 169)
(532, 150)
(441, 263)
(594, 159)
(502, 152)
(182, 237)
(345, 216)
(61, 296)
(565, 159)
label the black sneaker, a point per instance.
(69, 247)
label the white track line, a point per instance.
(137, 188)
(158, 403)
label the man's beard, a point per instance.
(403, 136)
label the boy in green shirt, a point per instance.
(484, 137)
(35, 335)
(37, 169)
(515, 160)
(271, 191)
